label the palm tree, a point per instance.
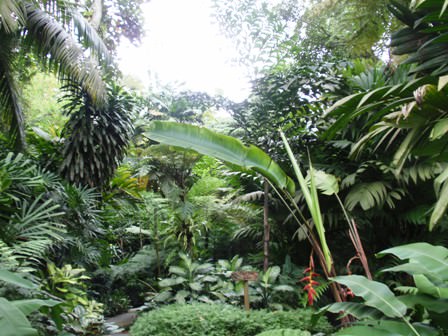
(60, 39)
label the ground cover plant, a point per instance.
(218, 319)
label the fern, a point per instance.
(422, 171)
(407, 290)
(367, 195)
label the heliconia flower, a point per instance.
(349, 293)
(310, 282)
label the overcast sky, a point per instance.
(182, 45)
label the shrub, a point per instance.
(199, 319)
(285, 332)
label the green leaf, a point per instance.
(13, 322)
(358, 310)
(284, 332)
(387, 328)
(178, 271)
(375, 294)
(222, 147)
(16, 280)
(363, 331)
(434, 258)
(443, 81)
(439, 129)
(445, 5)
(32, 305)
(312, 201)
(284, 288)
(326, 183)
(196, 286)
(367, 195)
(426, 286)
(181, 296)
(440, 207)
(272, 273)
(349, 100)
(171, 282)
(427, 301)
(163, 296)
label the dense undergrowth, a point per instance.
(219, 320)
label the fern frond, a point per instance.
(367, 195)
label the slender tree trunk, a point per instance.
(156, 241)
(97, 14)
(267, 228)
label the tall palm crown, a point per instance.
(60, 39)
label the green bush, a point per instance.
(285, 332)
(221, 320)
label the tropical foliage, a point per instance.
(190, 205)
(416, 311)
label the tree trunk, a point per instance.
(97, 14)
(267, 228)
(156, 241)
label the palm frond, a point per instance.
(367, 195)
(10, 108)
(12, 15)
(59, 50)
(90, 37)
(35, 229)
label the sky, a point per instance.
(182, 45)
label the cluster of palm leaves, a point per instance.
(53, 33)
(405, 114)
(96, 136)
(30, 226)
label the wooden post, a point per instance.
(246, 295)
(246, 277)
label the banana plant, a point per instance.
(285, 332)
(222, 147)
(231, 150)
(13, 314)
(418, 311)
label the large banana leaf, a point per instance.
(222, 147)
(375, 294)
(388, 328)
(433, 258)
(358, 310)
(31, 305)
(13, 322)
(428, 302)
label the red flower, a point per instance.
(310, 282)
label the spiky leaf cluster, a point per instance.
(95, 137)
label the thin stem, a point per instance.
(409, 324)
